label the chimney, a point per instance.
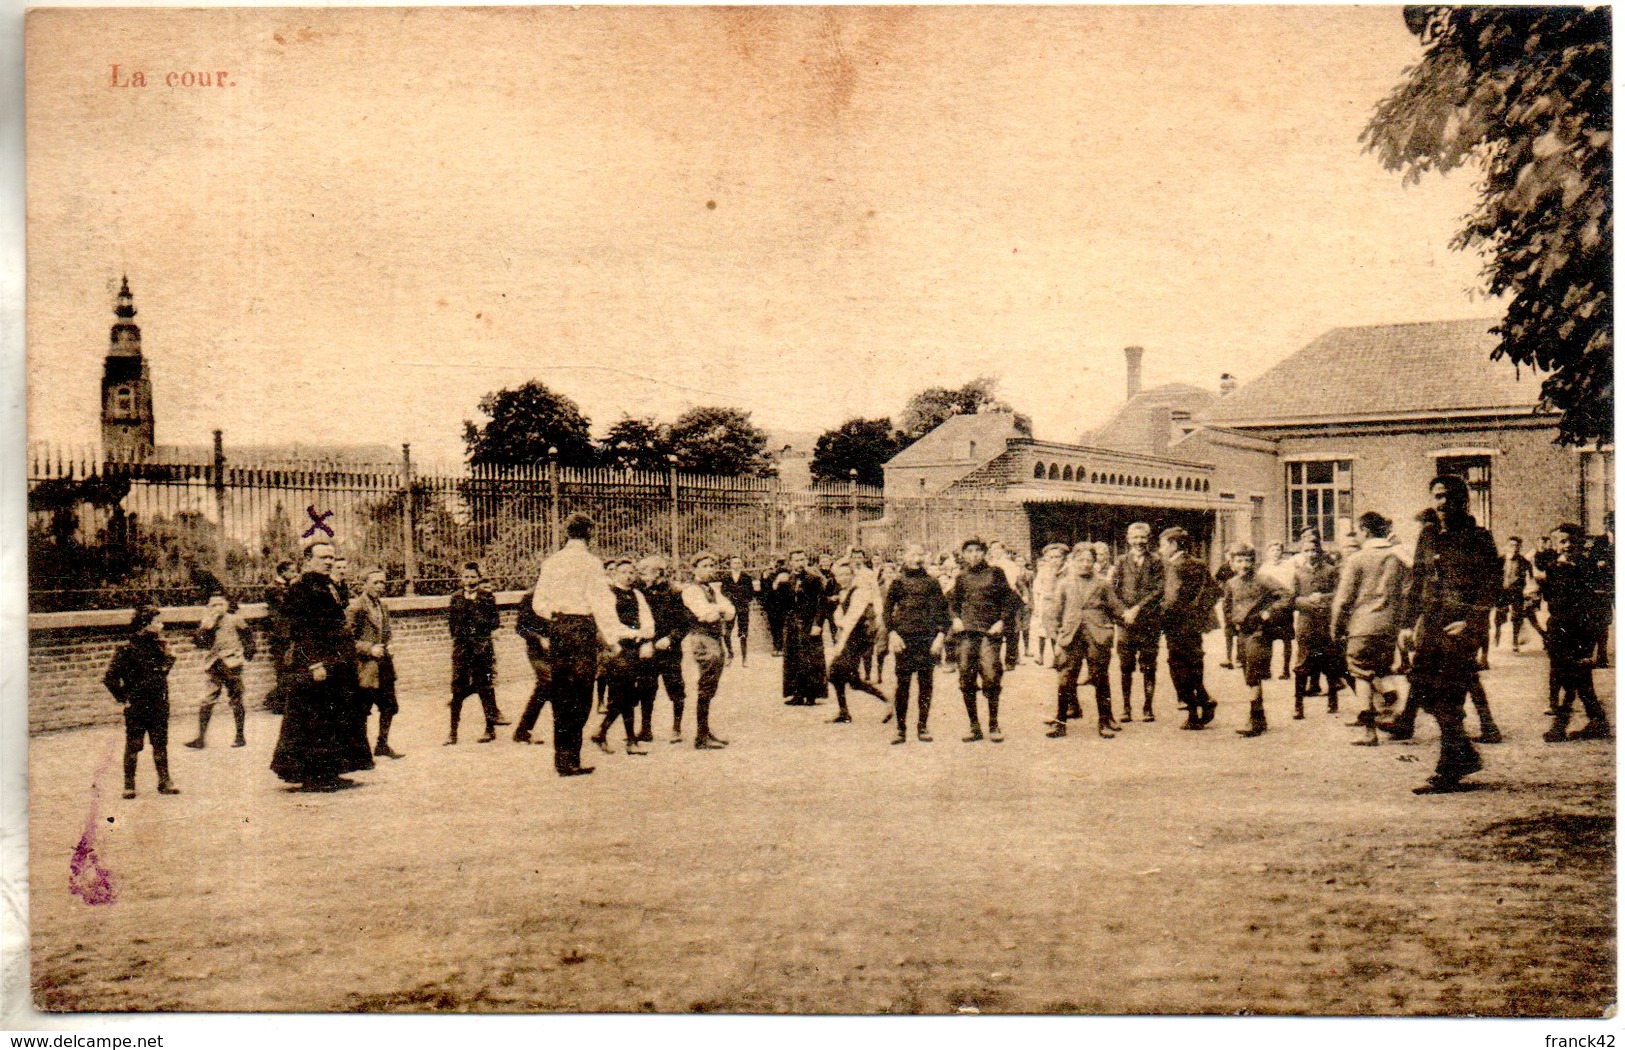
(1133, 354)
(1227, 385)
(1159, 426)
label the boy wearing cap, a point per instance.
(1251, 601)
(983, 605)
(1571, 586)
(1365, 619)
(138, 678)
(1046, 580)
(712, 614)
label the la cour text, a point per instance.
(119, 77)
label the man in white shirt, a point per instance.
(713, 613)
(573, 595)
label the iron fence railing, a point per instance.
(109, 533)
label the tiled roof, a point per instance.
(1375, 370)
(951, 441)
(999, 473)
(1130, 429)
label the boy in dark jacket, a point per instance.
(1188, 597)
(138, 678)
(1251, 603)
(533, 629)
(984, 606)
(472, 614)
(1570, 587)
(671, 623)
(917, 623)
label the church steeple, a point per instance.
(126, 334)
(127, 422)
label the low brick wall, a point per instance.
(68, 653)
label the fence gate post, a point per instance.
(408, 532)
(220, 504)
(553, 543)
(852, 505)
(672, 463)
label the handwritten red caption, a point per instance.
(137, 78)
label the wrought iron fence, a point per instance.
(110, 533)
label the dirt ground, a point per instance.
(816, 868)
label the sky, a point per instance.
(807, 213)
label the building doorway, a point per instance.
(1071, 523)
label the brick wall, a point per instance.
(1534, 483)
(68, 654)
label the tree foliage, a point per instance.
(720, 441)
(863, 445)
(635, 444)
(928, 409)
(524, 424)
(1525, 93)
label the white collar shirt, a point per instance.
(572, 583)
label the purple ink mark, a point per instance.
(319, 520)
(88, 878)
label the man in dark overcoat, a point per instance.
(1453, 583)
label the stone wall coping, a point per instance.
(186, 614)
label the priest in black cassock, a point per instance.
(321, 739)
(802, 595)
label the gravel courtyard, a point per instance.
(816, 868)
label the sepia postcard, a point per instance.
(820, 510)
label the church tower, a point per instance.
(127, 425)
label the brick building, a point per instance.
(1054, 491)
(1358, 420)
(1361, 418)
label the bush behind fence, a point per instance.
(106, 533)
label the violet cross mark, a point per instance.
(319, 522)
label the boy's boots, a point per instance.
(1257, 726)
(203, 715)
